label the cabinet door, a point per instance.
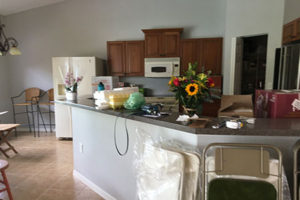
(211, 50)
(170, 44)
(189, 53)
(135, 58)
(289, 32)
(116, 58)
(297, 27)
(63, 121)
(152, 45)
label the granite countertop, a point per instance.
(262, 126)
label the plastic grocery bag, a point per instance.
(135, 101)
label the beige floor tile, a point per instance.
(43, 170)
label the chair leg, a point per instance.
(49, 107)
(32, 115)
(15, 120)
(39, 110)
(29, 124)
(6, 185)
(38, 119)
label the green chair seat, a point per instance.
(237, 189)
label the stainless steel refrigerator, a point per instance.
(287, 67)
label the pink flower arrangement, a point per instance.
(71, 83)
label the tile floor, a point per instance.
(43, 170)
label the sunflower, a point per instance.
(192, 89)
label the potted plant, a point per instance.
(71, 85)
(192, 89)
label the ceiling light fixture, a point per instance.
(8, 44)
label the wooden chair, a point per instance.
(5, 130)
(3, 166)
(49, 103)
(31, 97)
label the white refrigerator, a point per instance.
(80, 66)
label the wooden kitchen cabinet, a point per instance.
(134, 58)
(126, 58)
(162, 42)
(116, 58)
(291, 31)
(207, 52)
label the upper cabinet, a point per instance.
(116, 58)
(126, 58)
(291, 31)
(162, 42)
(207, 52)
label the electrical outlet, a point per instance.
(80, 147)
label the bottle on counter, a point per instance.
(100, 86)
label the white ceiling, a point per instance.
(8, 7)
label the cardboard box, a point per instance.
(285, 104)
(236, 106)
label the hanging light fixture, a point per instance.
(8, 44)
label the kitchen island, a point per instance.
(103, 143)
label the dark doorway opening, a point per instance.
(251, 64)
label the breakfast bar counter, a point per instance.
(261, 127)
(104, 143)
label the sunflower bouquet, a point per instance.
(192, 89)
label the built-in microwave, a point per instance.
(162, 67)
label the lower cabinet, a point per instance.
(63, 121)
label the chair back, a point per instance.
(50, 94)
(32, 92)
(233, 160)
(242, 162)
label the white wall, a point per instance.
(291, 10)
(5, 104)
(255, 17)
(79, 28)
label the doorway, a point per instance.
(250, 64)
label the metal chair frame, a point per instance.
(296, 171)
(262, 147)
(32, 102)
(49, 112)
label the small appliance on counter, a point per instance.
(162, 67)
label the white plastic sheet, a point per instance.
(165, 170)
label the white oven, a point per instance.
(162, 67)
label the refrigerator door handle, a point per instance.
(282, 75)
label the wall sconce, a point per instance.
(8, 44)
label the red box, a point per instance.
(276, 104)
(281, 105)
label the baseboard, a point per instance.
(26, 129)
(93, 186)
